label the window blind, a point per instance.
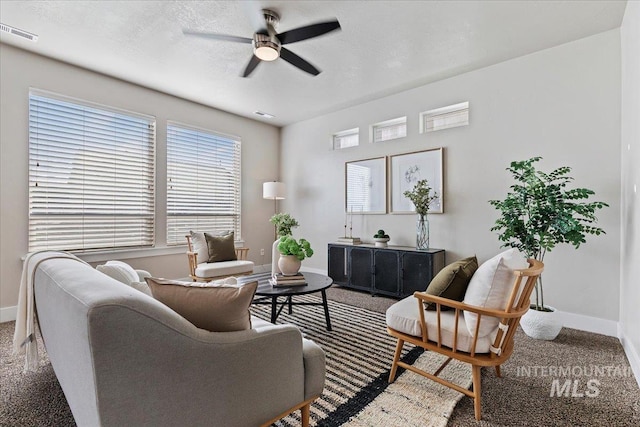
(91, 176)
(391, 129)
(347, 138)
(445, 118)
(203, 188)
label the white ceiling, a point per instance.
(384, 46)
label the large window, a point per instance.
(203, 188)
(91, 175)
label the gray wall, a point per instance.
(21, 70)
(562, 104)
(630, 256)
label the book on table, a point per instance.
(282, 280)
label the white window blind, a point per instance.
(346, 138)
(445, 117)
(203, 189)
(91, 176)
(390, 129)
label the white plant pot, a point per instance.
(541, 325)
(289, 265)
(381, 242)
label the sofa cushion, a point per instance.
(452, 281)
(216, 307)
(123, 272)
(221, 248)
(490, 287)
(404, 316)
(199, 244)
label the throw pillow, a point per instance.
(452, 281)
(490, 287)
(123, 272)
(199, 244)
(221, 248)
(214, 307)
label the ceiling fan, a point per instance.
(267, 43)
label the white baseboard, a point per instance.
(632, 355)
(589, 324)
(8, 314)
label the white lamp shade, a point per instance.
(273, 190)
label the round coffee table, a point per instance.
(315, 283)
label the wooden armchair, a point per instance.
(447, 338)
(204, 271)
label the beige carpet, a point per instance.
(413, 400)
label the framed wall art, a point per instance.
(406, 170)
(366, 186)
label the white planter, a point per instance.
(381, 242)
(541, 325)
(289, 265)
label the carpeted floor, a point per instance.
(603, 387)
(522, 397)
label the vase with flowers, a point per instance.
(422, 195)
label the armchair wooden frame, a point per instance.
(241, 254)
(502, 347)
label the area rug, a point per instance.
(359, 353)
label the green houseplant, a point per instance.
(292, 252)
(421, 196)
(540, 212)
(283, 223)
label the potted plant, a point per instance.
(283, 223)
(422, 197)
(292, 252)
(381, 238)
(539, 213)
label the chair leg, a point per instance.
(396, 357)
(304, 413)
(498, 373)
(476, 391)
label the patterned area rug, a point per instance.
(359, 353)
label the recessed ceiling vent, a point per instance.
(17, 32)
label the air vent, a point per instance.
(265, 115)
(16, 32)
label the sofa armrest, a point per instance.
(314, 369)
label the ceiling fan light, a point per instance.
(266, 53)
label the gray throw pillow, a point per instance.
(221, 248)
(452, 281)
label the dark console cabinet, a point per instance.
(396, 271)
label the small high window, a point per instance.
(388, 130)
(346, 138)
(445, 118)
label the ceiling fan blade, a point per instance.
(253, 63)
(216, 36)
(303, 33)
(296, 61)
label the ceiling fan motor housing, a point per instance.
(267, 46)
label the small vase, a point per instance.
(289, 265)
(422, 233)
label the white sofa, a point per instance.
(123, 358)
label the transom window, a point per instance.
(91, 175)
(203, 182)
